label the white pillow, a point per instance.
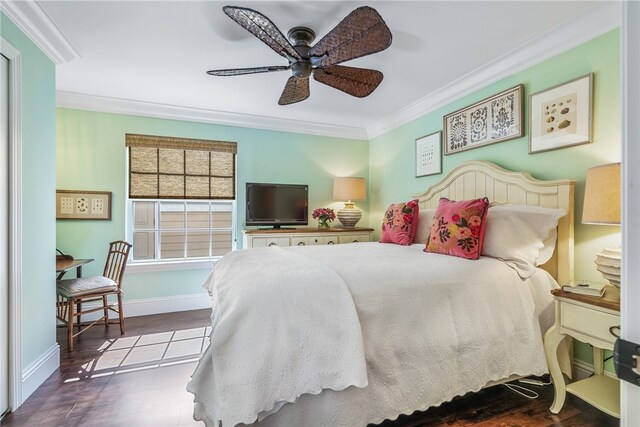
(425, 218)
(524, 237)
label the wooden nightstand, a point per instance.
(591, 320)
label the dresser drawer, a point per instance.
(589, 322)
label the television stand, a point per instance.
(304, 236)
(276, 227)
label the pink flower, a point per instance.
(475, 230)
(475, 221)
(412, 204)
(324, 214)
(408, 218)
(464, 232)
(455, 218)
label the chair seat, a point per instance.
(71, 288)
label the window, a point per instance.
(181, 230)
(181, 203)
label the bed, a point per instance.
(358, 333)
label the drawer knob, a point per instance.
(615, 331)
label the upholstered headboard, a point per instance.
(476, 178)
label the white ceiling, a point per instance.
(156, 53)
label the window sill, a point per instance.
(147, 267)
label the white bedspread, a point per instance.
(284, 324)
(433, 327)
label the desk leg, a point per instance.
(552, 340)
(79, 271)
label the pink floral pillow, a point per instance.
(400, 223)
(458, 228)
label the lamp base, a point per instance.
(608, 264)
(349, 215)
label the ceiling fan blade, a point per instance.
(262, 27)
(296, 90)
(361, 33)
(253, 70)
(359, 82)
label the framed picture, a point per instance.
(80, 204)
(560, 116)
(429, 154)
(494, 119)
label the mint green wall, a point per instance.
(38, 189)
(91, 156)
(392, 155)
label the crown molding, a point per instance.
(29, 17)
(597, 21)
(104, 104)
(594, 22)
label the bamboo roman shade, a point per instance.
(163, 167)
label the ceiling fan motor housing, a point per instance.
(301, 38)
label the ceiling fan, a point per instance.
(361, 33)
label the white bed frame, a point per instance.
(477, 178)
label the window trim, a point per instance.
(185, 260)
(155, 266)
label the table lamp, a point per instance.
(349, 189)
(602, 206)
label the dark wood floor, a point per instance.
(139, 380)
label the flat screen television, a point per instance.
(277, 205)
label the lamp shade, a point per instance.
(349, 188)
(602, 195)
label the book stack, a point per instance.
(585, 288)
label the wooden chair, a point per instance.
(73, 293)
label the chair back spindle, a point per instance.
(116, 260)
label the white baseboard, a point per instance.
(147, 306)
(582, 370)
(36, 373)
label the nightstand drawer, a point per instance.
(590, 322)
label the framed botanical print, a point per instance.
(81, 204)
(494, 119)
(429, 154)
(560, 116)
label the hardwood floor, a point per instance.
(139, 379)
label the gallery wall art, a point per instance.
(494, 119)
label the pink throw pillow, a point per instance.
(458, 228)
(400, 223)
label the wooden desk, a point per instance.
(64, 265)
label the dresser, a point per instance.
(304, 236)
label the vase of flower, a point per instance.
(324, 217)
